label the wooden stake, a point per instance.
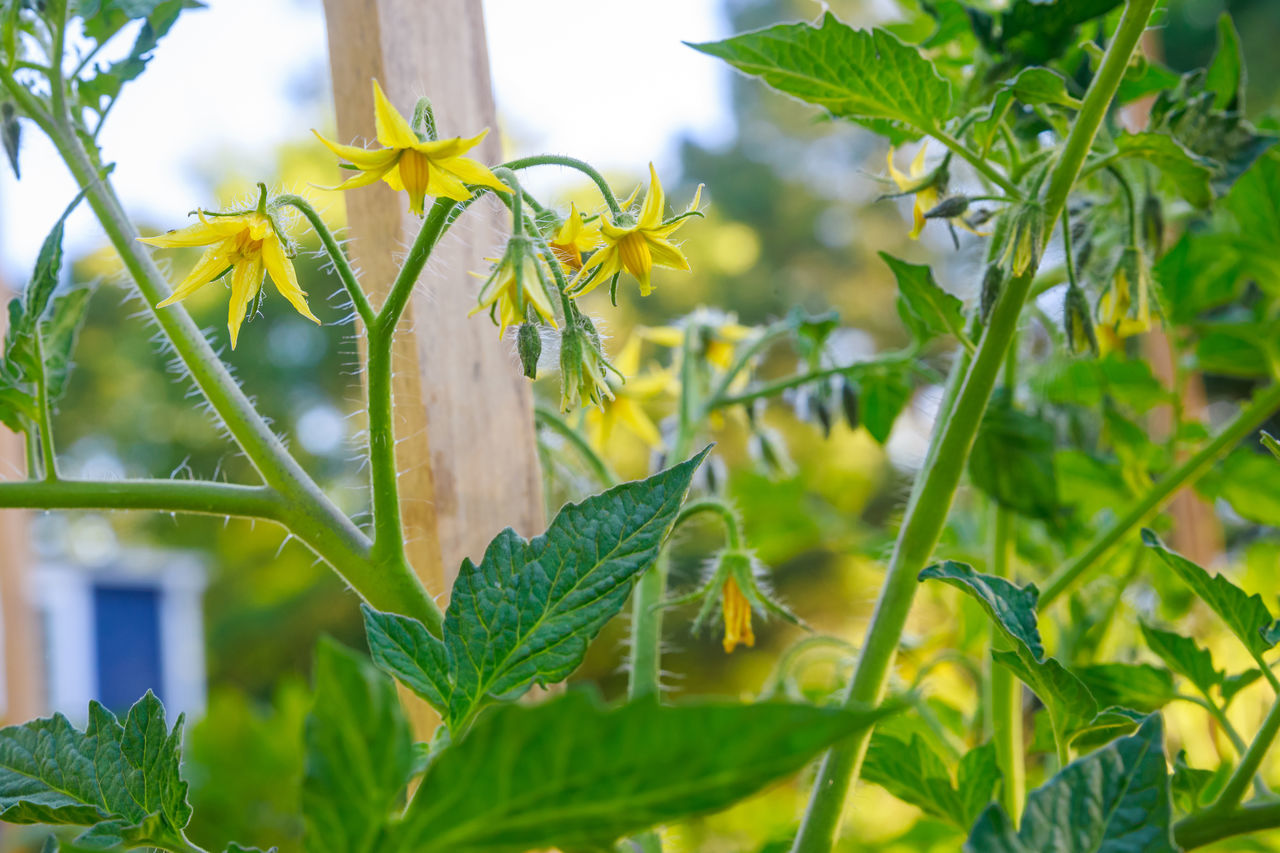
(464, 414)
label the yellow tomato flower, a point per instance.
(625, 406)
(736, 610)
(720, 334)
(514, 284)
(1116, 320)
(247, 244)
(574, 238)
(408, 161)
(636, 246)
(917, 183)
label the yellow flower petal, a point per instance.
(445, 184)
(393, 130)
(444, 149)
(212, 264)
(654, 202)
(666, 255)
(246, 281)
(470, 172)
(917, 163)
(900, 179)
(198, 234)
(633, 416)
(280, 268)
(362, 158)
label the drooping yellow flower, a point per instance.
(917, 183)
(575, 237)
(1119, 318)
(583, 368)
(636, 245)
(736, 610)
(411, 162)
(514, 284)
(247, 244)
(626, 405)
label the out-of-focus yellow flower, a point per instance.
(1119, 318)
(636, 245)
(626, 405)
(409, 161)
(921, 184)
(515, 284)
(719, 333)
(575, 237)
(248, 245)
(736, 610)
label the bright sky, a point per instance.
(613, 75)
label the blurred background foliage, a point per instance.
(793, 220)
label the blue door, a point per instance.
(127, 631)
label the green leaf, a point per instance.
(926, 309)
(1012, 608)
(1086, 382)
(1140, 686)
(1183, 656)
(1013, 461)
(359, 754)
(1192, 787)
(571, 774)
(1039, 85)
(1246, 615)
(885, 390)
(403, 648)
(1032, 32)
(526, 613)
(1188, 173)
(1246, 479)
(1225, 75)
(856, 74)
(1116, 799)
(45, 278)
(1254, 205)
(122, 775)
(58, 337)
(1070, 705)
(1233, 684)
(911, 771)
(1201, 271)
(17, 407)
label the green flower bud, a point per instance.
(582, 367)
(992, 284)
(1077, 321)
(1153, 224)
(529, 346)
(948, 208)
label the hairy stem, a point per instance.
(186, 496)
(336, 255)
(572, 163)
(931, 500)
(1250, 418)
(732, 527)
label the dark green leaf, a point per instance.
(1139, 686)
(1107, 725)
(45, 278)
(1190, 784)
(926, 309)
(1012, 608)
(58, 337)
(123, 775)
(1033, 32)
(1225, 75)
(1188, 173)
(857, 74)
(1246, 615)
(526, 613)
(1013, 461)
(1116, 799)
(915, 774)
(359, 754)
(885, 391)
(1183, 656)
(11, 133)
(1039, 85)
(403, 648)
(572, 774)
(1070, 705)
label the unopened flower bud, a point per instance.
(1078, 322)
(948, 208)
(849, 402)
(992, 284)
(1153, 224)
(529, 346)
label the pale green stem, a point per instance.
(931, 501)
(185, 496)
(1245, 771)
(46, 414)
(1005, 699)
(599, 467)
(310, 514)
(982, 166)
(1208, 826)
(772, 389)
(1250, 418)
(732, 527)
(572, 163)
(336, 255)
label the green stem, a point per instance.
(572, 163)
(646, 601)
(46, 415)
(931, 499)
(772, 389)
(732, 527)
(311, 515)
(1005, 700)
(599, 467)
(336, 255)
(1254, 415)
(1208, 826)
(186, 496)
(438, 220)
(1240, 778)
(982, 166)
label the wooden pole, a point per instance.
(464, 414)
(20, 651)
